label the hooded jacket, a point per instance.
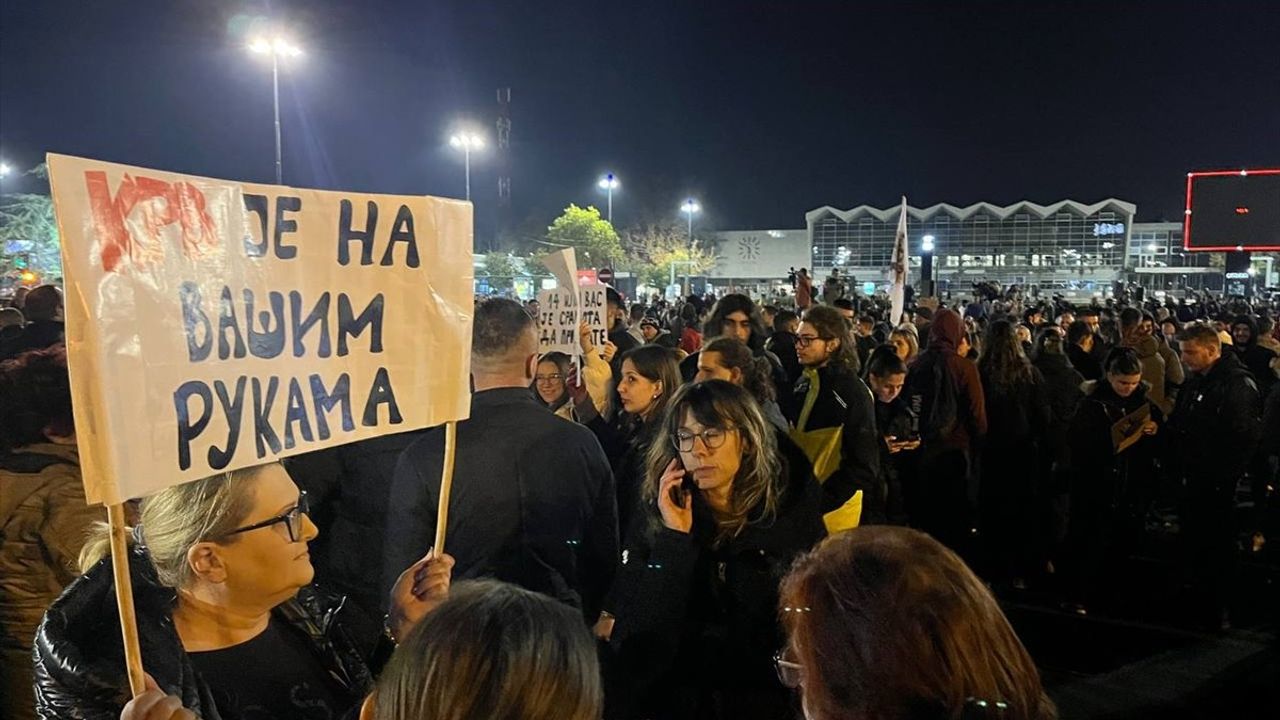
(940, 370)
(43, 521)
(79, 661)
(1153, 371)
(1255, 357)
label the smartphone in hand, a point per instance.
(687, 483)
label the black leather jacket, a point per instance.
(79, 660)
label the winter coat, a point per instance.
(1174, 373)
(940, 370)
(1153, 372)
(1085, 363)
(1215, 427)
(697, 623)
(626, 442)
(844, 401)
(532, 502)
(1100, 478)
(349, 492)
(79, 660)
(1062, 396)
(1255, 357)
(43, 522)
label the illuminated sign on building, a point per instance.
(1105, 229)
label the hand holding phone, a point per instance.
(675, 498)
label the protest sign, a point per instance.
(214, 325)
(560, 315)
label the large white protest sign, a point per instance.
(214, 325)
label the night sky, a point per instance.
(761, 110)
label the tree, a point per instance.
(652, 248)
(500, 269)
(582, 229)
(28, 229)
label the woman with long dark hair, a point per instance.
(1017, 417)
(1112, 471)
(696, 595)
(649, 377)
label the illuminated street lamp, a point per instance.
(277, 47)
(4, 169)
(609, 183)
(926, 264)
(467, 141)
(689, 208)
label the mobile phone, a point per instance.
(687, 483)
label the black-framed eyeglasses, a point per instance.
(712, 438)
(805, 341)
(790, 674)
(292, 519)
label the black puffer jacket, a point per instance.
(79, 661)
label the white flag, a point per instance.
(898, 269)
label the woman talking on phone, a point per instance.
(696, 623)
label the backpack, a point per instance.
(944, 415)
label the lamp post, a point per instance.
(609, 183)
(690, 207)
(276, 47)
(467, 141)
(926, 264)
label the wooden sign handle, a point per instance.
(446, 484)
(124, 598)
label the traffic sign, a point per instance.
(605, 275)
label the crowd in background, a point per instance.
(730, 510)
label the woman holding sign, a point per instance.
(1111, 470)
(226, 615)
(724, 515)
(649, 377)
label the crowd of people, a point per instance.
(730, 510)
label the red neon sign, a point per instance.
(1186, 219)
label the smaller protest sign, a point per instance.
(558, 318)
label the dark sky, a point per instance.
(761, 110)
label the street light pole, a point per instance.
(277, 47)
(608, 183)
(466, 163)
(926, 265)
(465, 141)
(690, 207)
(275, 96)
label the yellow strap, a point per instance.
(810, 398)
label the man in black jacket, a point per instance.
(533, 501)
(1213, 432)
